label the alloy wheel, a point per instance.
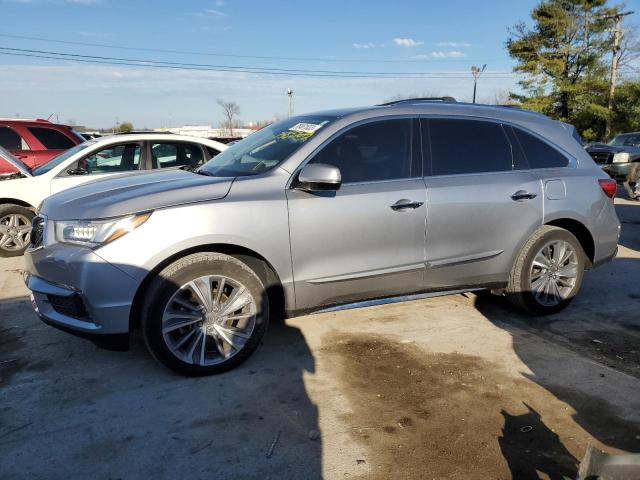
(209, 320)
(554, 273)
(15, 232)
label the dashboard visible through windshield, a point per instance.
(266, 148)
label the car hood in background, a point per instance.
(133, 194)
(603, 147)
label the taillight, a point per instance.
(609, 186)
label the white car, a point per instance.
(23, 191)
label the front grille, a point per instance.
(37, 231)
(70, 306)
(602, 158)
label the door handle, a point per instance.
(523, 195)
(405, 204)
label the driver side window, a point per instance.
(113, 159)
(375, 151)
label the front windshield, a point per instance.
(626, 141)
(55, 161)
(266, 148)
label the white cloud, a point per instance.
(449, 54)
(454, 44)
(407, 42)
(210, 12)
(364, 45)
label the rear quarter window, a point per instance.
(538, 153)
(51, 139)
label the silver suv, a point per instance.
(324, 209)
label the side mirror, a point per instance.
(319, 177)
(77, 171)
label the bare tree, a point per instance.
(229, 111)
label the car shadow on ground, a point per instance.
(127, 411)
(575, 328)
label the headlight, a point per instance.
(622, 157)
(93, 233)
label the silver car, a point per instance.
(324, 209)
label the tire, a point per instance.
(173, 299)
(14, 238)
(525, 293)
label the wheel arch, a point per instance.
(581, 232)
(260, 265)
(15, 201)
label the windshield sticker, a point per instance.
(306, 127)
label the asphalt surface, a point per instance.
(460, 386)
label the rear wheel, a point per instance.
(548, 271)
(15, 229)
(205, 314)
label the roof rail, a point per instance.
(419, 99)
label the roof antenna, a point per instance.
(49, 117)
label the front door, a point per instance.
(367, 239)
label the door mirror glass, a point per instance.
(77, 171)
(319, 177)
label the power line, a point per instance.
(18, 52)
(216, 54)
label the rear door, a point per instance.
(361, 242)
(50, 143)
(114, 159)
(481, 204)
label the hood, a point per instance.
(603, 147)
(133, 194)
(15, 162)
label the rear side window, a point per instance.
(168, 155)
(466, 146)
(10, 139)
(538, 153)
(51, 139)
(376, 151)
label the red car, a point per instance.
(34, 141)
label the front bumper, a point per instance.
(77, 291)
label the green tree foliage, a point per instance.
(125, 127)
(564, 59)
(626, 107)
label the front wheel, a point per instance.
(15, 229)
(548, 271)
(204, 314)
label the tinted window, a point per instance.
(51, 139)
(166, 155)
(10, 139)
(371, 152)
(117, 158)
(466, 146)
(538, 153)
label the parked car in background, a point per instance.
(617, 156)
(323, 209)
(22, 191)
(35, 141)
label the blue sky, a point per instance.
(350, 35)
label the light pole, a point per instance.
(476, 72)
(290, 94)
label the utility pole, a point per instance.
(290, 94)
(615, 57)
(476, 72)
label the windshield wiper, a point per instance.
(202, 172)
